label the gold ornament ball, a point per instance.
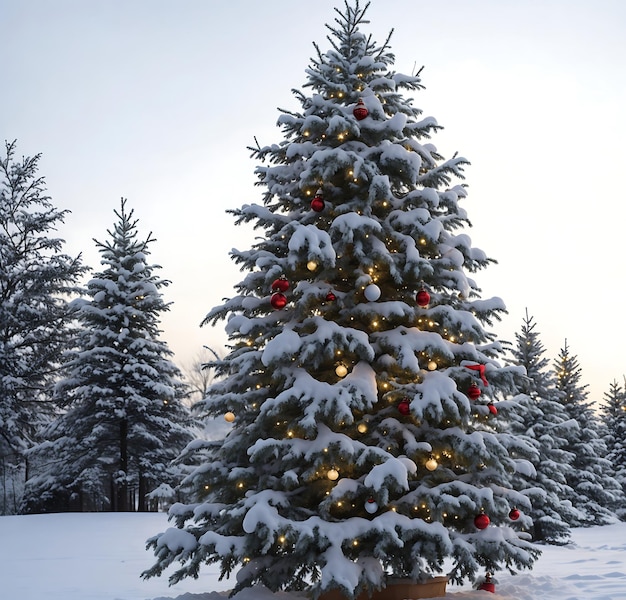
(431, 464)
(361, 427)
(229, 417)
(432, 365)
(332, 474)
(311, 265)
(341, 371)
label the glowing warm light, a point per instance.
(332, 474)
(311, 265)
(361, 427)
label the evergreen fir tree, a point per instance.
(125, 421)
(614, 421)
(355, 453)
(595, 489)
(542, 418)
(37, 281)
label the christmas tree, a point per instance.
(361, 378)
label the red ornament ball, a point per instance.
(360, 110)
(280, 285)
(514, 514)
(278, 300)
(422, 298)
(317, 204)
(404, 407)
(473, 392)
(488, 585)
(330, 297)
(482, 521)
(492, 409)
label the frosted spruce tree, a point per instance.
(543, 419)
(356, 455)
(37, 283)
(614, 421)
(124, 422)
(595, 489)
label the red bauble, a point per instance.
(492, 409)
(317, 204)
(360, 110)
(473, 392)
(330, 297)
(422, 298)
(278, 300)
(488, 585)
(482, 521)
(404, 407)
(514, 514)
(280, 285)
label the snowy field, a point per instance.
(100, 556)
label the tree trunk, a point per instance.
(142, 505)
(122, 485)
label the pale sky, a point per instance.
(157, 101)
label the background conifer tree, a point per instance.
(356, 336)
(614, 421)
(595, 489)
(125, 421)
(542, 418)
(37, 281)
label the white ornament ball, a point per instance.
(372, 292)
(371, 507)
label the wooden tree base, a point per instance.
(400, 589)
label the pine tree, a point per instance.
(37, 281)
(595, 489)
(355, 453)
(614, 421)
(125, 421)
(542, 418)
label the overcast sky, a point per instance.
(157, 101)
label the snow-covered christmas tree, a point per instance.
(362, 382)
(124, 421)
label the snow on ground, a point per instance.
(99, 556)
